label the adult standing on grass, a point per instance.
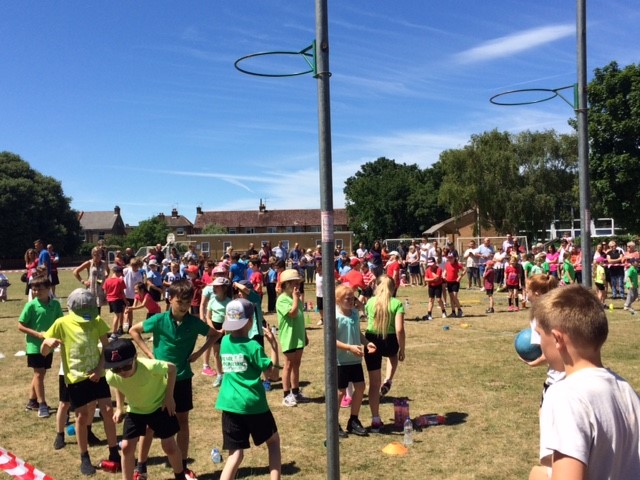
(98, 270)
(375, 258)
(615, 260)
(55, 259)
(385, 329)
(30, 265)
(485, 253)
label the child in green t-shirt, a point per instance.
(78, 335)
(568, 271)
(148, 388)
(242, 398)
(292, 335)
(215, 317)
(36, 318)
(600, 280)
(631, 282)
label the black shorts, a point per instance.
(259, 338)
(86, 391)
(453, 287)
(488, 291)
(414, 269)
(37, 360)
(63, 391)
(513, 287)
(162, 424)
(600, 286)
(55, 280)
(131, 301)
(435, 292)
(117, 306)
(384, 348)
(349, 373)
(183, 395)
(319, 303)
(218, 326)
(237, 427)
(293, 350)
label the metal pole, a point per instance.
(583, 143)
(326, 207)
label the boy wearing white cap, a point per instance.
(242, 397)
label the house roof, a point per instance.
(98, 220)
(267, 218)
(451, 225)
(173, 221)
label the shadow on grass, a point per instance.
(247, 472)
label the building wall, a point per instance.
(215, 245)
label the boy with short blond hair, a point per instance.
(590, 421)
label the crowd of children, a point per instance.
(223, 303)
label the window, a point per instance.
(83, 236)
(272, 230)
(314, 228)
(250, 230)
(232, 230)
(339, 244)
(298, 229)
(318, 243)
(225, 247)
(100, 235)
(285, 245)
(180, 231)
(289, 229)
(204, 247)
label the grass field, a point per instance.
(470, 372)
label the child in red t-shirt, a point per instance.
(433, 280)
(453, 272)
(257, 279)
(512, 280)
(114, 288)
(488, 278)
(198, 285)
(143, 299)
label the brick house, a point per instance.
(179, 225)
(99, 225)
(262, 225)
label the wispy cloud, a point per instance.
(515, 43)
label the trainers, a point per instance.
(140, 475)
(113, 337)
(43, 411)
(384, 389)
(342, 433)
(376, 425)
(427, 317)
(346, 402)
(190, 475)
(510, 309)
(59, 442)
(489, 310)
(208, 371)
(444, 314)
(516, 309)
(92, 439)
(267, 386)
(218, 381)
(85, 466)
(32, 405)
(453, 314)
(460, 314)
(354, 426)
(300, 398)
(290, 401)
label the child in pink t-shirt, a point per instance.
(144, 300)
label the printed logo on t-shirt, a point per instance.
(236, 363)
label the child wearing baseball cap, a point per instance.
(242, 398)
(147, 384)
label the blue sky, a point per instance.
(138, 103)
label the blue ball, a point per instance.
(523, 346)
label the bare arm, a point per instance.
(76, 272)
(212, 337)
(294, 306)
(169, 403)
(136, 335)
(567, 468)
(400, 333)
(30, 331)
(117, 413)
(49, 344)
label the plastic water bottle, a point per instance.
(408, 432)
(216, 457)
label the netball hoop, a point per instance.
(308, 54)
(530, 96)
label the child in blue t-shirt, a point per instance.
(349, 341)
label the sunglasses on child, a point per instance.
(124, 368)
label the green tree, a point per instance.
(33, 206)
(387, 199)
(214, 229)
(614, 132)
(148, 232)
(516, 182)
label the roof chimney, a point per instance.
(262, 208)
(174, 213)
(198, 210)
(116, 210)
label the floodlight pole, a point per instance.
(328, 244)
(583, 142)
